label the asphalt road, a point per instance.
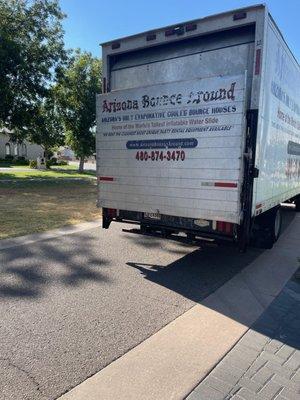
(71, 305)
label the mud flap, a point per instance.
(250, 172)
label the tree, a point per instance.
(76, 93)
(31, 54)
(46, 127)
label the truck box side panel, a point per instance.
(278, 140)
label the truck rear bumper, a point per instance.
(167, 225)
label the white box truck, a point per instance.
(198, 129)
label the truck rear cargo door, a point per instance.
(173, 148)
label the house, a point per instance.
(65, 153)
(29, 151)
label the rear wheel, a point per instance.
(267, 229)
(276, 224)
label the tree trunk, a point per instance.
(46, 154)
(81, 164)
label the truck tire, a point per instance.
(276, 225)
(267, 229)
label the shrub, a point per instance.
(9, 157)
(62, 162)
(21, 161)
(33, 164)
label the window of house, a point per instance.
(16, 150)
(7, 149)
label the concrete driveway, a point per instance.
(71, 305)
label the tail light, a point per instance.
(111, 212)
(115, 45)
(240, 15)
(150, 36)
(190, 27)
(225, 227)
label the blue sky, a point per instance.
(91, 22)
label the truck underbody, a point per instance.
(263, 230)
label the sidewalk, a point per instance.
(265, 363)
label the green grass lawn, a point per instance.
(53, 173)
(29, 206)
(65, 167)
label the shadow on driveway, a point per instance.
(34, 268)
